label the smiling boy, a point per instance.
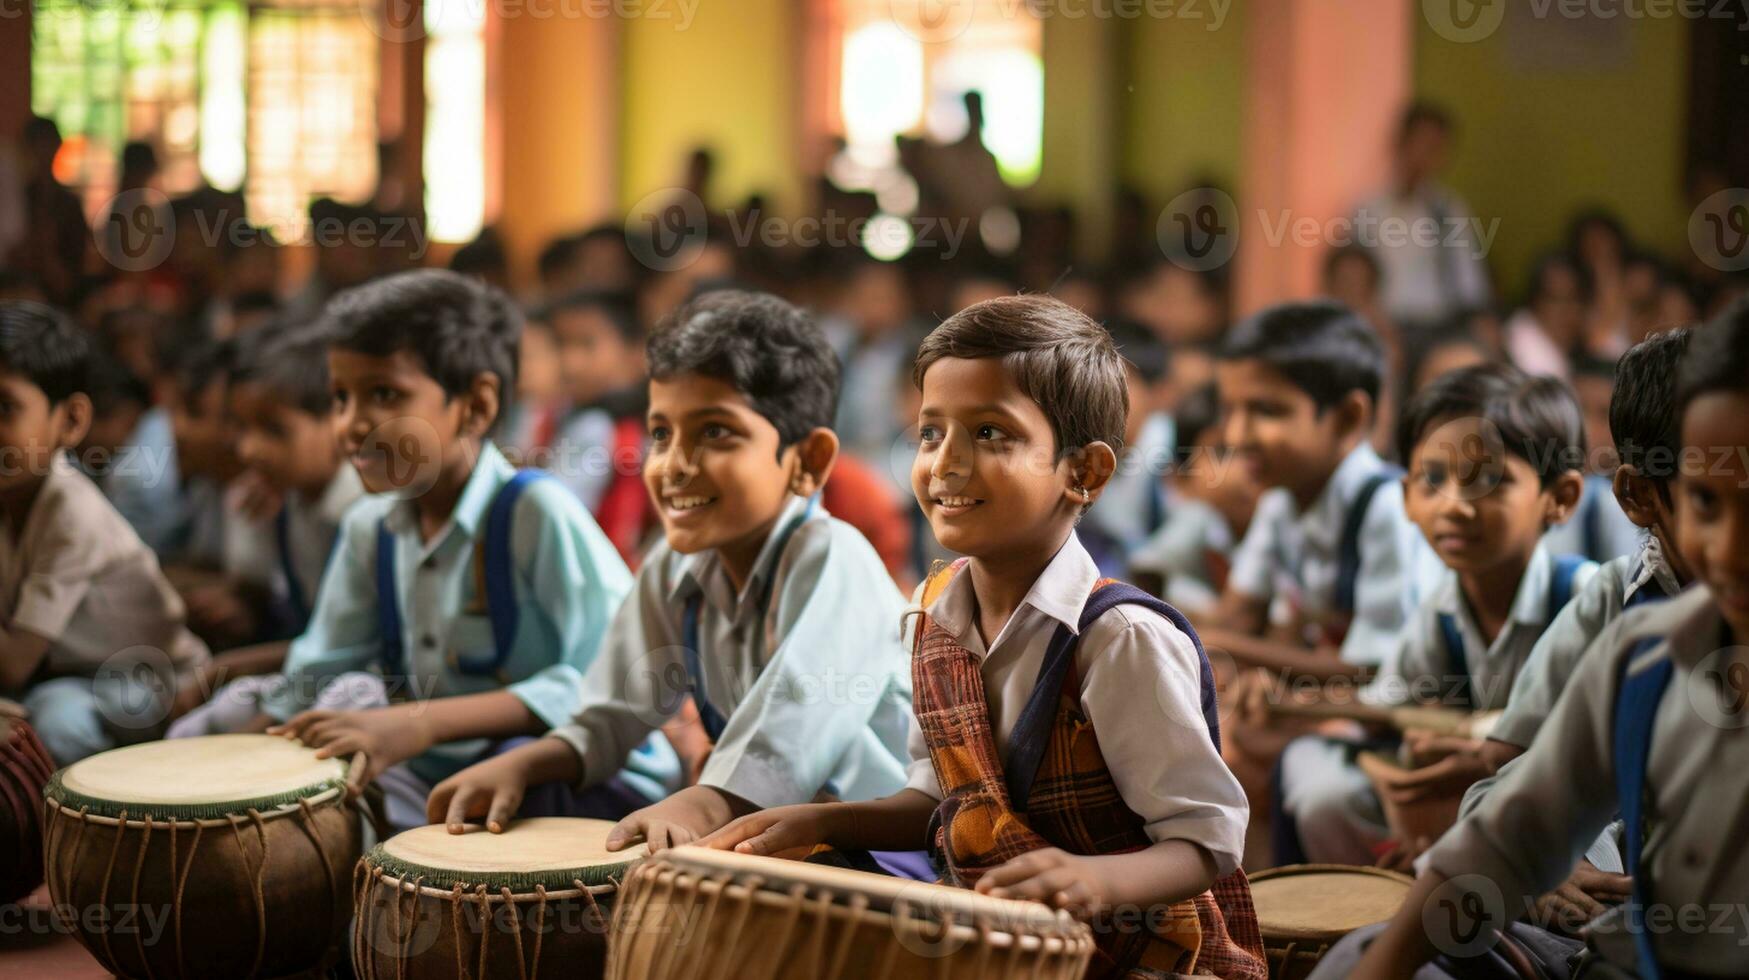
(779, 620)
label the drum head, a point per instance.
(197, 778)
(918, 899)
(1325, 901)
(553, 852)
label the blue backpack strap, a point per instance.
(713, 720)
(1032, 732)
(1457, 660)
(1566, 568)
(388, 603)
(1636, 709)
(1348, 545)
(500, 566)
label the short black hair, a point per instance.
(41, 344)
(291, 363)
(1197, 413)
(1056, 355)
(1324, 348)
(1140, 349)
(1718, 356)
(485, 255)
(1642, 407)
(112, 386)
(618, 306)
(773, 353)
(557, 254)
(1538, 418)
(457, 326)
(204, 363)
(1422, 112)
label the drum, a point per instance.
(221, 857)
(691, 912)
(432, 904)
(24, 768)
(1303, 909)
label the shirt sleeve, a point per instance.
(1169, 771)
(63, 563)
(1555, 658)
(1416, 671)
(1384, 592)
(636, 681)
(577, 580)
(837, 652)
(344, 633)
(1254, 560)
(1526, 834)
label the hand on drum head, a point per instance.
(774, 832)
(1052, 876)
(382, 736)
(680, 819)
(492, 790)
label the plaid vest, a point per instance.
(1074, 805)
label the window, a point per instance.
(455, 118)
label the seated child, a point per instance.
(284, 413)
(480, 595)
(1209, 503)
(1494, 459)
(1116, 798)
(778, 620)
(92, 640)
(1650, 726)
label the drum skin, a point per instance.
(24, 768)
(249, 895)
(1303, 909)
(409, 931)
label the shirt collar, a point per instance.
(1059, 592)
(491, 472)
(339, 495)
(1530, 604)
(1650, 566)
(1323, 521)
(703, 571)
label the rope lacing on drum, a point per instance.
(515, 929)
(598, 917)
(669, 879)
(701, 932)
(103, 892)
(405, 936)
(182, 883)
(540, 923)
(485, 925)
(858, 906)
(455, 924)
(256, 872)
(134, 895)
(307, 821)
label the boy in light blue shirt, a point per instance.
(778, 620)
(478, 594)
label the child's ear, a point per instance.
(815, 454)
(1564, 496)
(1637, 495)
(482, 402)
(73, 419)
(1354, 413)
(1092, 466)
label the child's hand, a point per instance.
(1447, 777)
(1426, 746)
(774, 831)
(680, 819)
(255, 498)
(1585, 895)
(492, 789)
(384, 737)
(1401, 855)
(1052, 876)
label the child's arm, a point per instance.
(21, 653)
(391, 735)
(223, 668)
(1167, 872)
(1281, 658)
(493, 789)
(896, 823)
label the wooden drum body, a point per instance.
(697, 913)
(24, 768)
(1303, 909)
(222, 857)
(533, 901)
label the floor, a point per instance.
(33, 946)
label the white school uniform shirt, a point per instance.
(816, 690)
(313, 528)
(1526, 835)
(1141, 687)
(1179, 552)
(1292, 556)
(78, 576)
(1422, 673)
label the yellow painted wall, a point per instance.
(1081, 139)
(1183, 90)
(728, 81)
(1533, 148)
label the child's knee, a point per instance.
(65, 714)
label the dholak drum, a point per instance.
(24, 768)
(1303, 909)
(693, 912)
(222, 857)
(432, 904)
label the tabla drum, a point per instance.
(693, 912)
(221, 857)
(533, 901)
(24, 768)
(1303, 909)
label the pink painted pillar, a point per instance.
(1323, 90)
